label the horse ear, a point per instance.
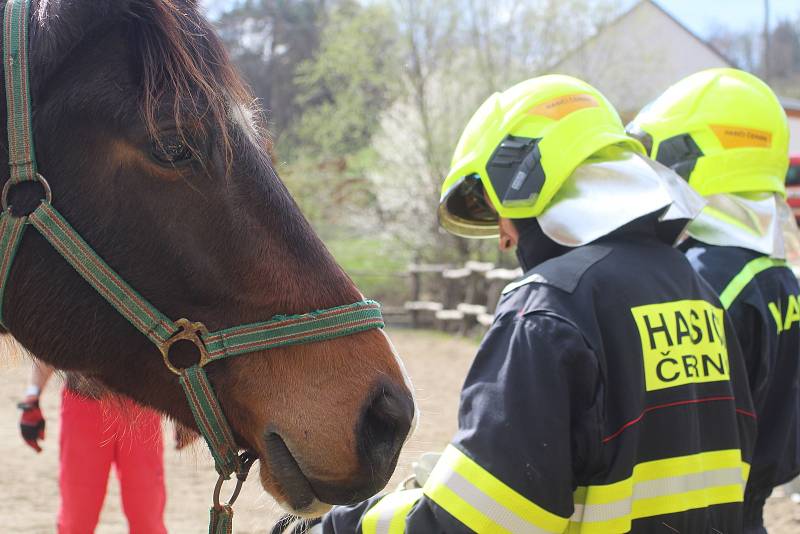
(58, 26)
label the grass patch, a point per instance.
(376, 267)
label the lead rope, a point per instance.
(158, 328)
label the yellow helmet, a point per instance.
(519, 148)
(722, 130)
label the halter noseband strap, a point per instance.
(157, 327)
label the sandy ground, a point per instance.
(29, 495)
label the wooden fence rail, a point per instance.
(455, 299)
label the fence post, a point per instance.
(414, 275)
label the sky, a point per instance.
(701, 16)
(214, 7)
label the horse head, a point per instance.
(154, 153)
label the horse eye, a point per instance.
(172, 150)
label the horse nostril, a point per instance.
(384, 427)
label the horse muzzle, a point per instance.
(385, 422)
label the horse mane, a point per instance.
(184, 60)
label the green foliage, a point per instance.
(333, 194)
(366, 100)
(376, 266)
(268, 40)
(344, 87)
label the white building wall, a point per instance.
(794, 136)
(634, 59)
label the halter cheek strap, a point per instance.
(162, 331)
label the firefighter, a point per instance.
(609, 395)
(726, 134)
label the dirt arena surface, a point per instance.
(29, 496)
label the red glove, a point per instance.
(31, 424)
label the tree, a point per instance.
(268, 40)
(367, 99)
(457, 52)
(785, 49)
(348, 81)
(745, 49)
(341, 91)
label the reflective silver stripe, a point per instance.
(601, 512)
(384, 521)
(535, 277)
(392, 508)
(484, 503)
(662, 487)
(488, 506)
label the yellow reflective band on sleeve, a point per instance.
(661, 487)
(745, 471)
(482, 502)
(740, 281)
(388, 516)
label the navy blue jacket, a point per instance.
(761, 296)
(609, 395)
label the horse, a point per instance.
(156, 155)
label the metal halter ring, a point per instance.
(246, 461)
(189, 331)
(48, 193)
(234, 495)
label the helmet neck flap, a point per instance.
(613, 188)
(762, 223)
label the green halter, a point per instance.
(160, 329)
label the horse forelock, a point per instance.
(186, 66)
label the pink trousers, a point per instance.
(96, 434)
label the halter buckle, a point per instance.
(188, 331)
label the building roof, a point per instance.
(790, 104)
(634, 7)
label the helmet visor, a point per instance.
(465, 210)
